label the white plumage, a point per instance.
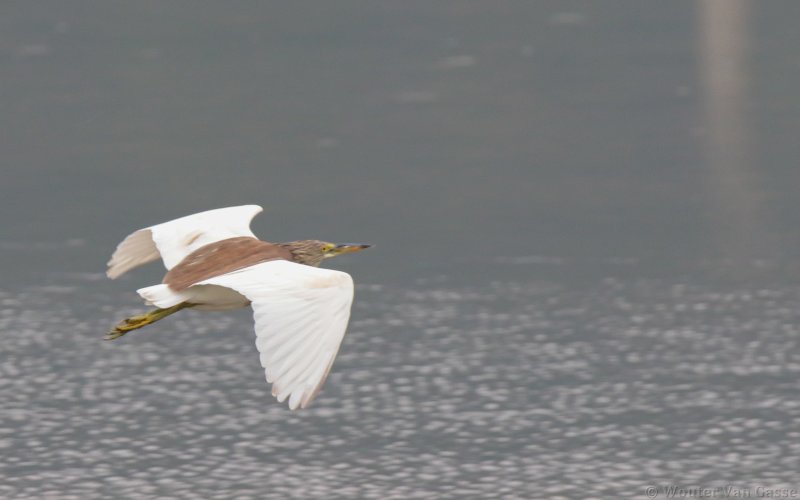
(301, 315)
(301, 312)
(174, 240)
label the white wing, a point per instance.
(301, 314)
(177, 238)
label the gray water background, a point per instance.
(585, 279)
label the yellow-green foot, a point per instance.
(136, 322)
(114, 334)
(127, 325)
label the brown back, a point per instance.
(222, 257)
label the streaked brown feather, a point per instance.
(222, 257)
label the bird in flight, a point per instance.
(214, 262)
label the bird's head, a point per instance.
(312, 252)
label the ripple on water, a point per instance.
(510, 389)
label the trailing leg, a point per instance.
(136, 322)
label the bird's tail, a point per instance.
(136, 322)
(162, 296)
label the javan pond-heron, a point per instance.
(214, 263)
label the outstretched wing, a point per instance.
(301, 314)
(177, 238)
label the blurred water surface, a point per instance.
(584, 282)
(518, 389)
